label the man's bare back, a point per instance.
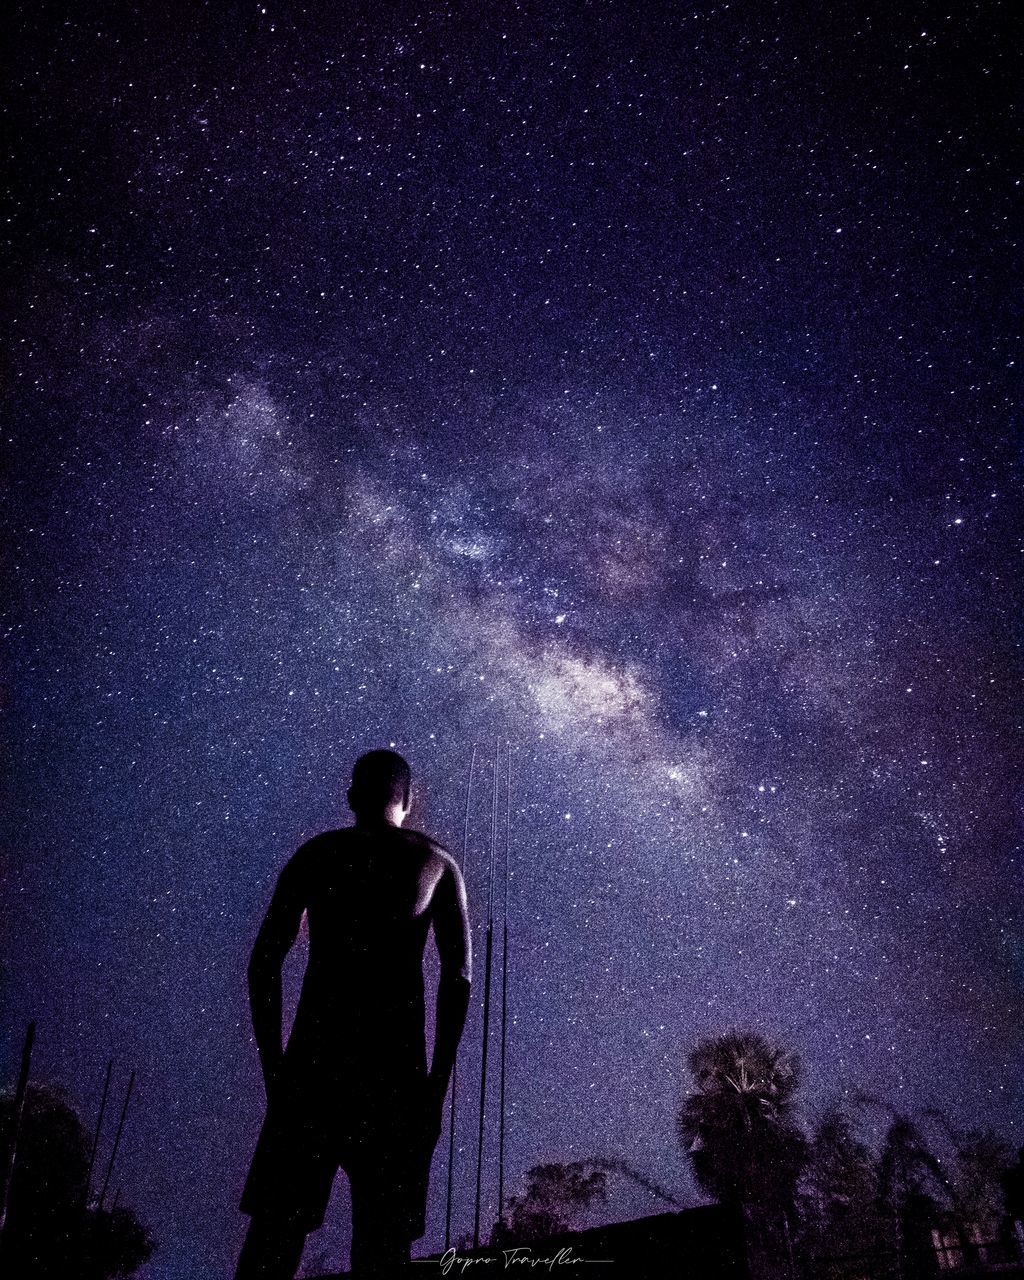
(370, 895)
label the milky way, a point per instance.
(631, 383)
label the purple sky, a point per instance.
(633, 384)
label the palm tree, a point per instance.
(739, 1126)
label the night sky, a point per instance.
(634, 382)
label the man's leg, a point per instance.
(272, 1249)
(381, 1237)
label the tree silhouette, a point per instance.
(907, 1166)
(738, 1125)
(917, 1192)
(556, 1195)
(1012, 1182)
(841, 1224)
(50, 1231)
(975, 1192)
(914, 1191)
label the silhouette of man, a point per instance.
(352, 1088)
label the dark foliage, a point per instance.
(51, 1231)
(556, 1194)
(1013, 1188)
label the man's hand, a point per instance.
(271, 1072)
(278, 931)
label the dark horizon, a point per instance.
(634, 385)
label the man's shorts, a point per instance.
(377, 1138)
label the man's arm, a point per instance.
(273, 942)
(454, 946)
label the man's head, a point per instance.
(380, 787)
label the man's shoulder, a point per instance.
(432, 848)
(313, 850)
(326, 846)
(322, 843)
(421, 840)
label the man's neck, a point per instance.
(375, 821)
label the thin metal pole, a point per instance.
(487, 1000)
(19, 1106)
(117, 1139)
(504, 994)
(455, 1064)
(96, 1135)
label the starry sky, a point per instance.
(632, 382)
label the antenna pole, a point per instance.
(455, 1064)
(7, 1169)
(96, 1135)
(504, 993)
(117, 1138)
(487, 999)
